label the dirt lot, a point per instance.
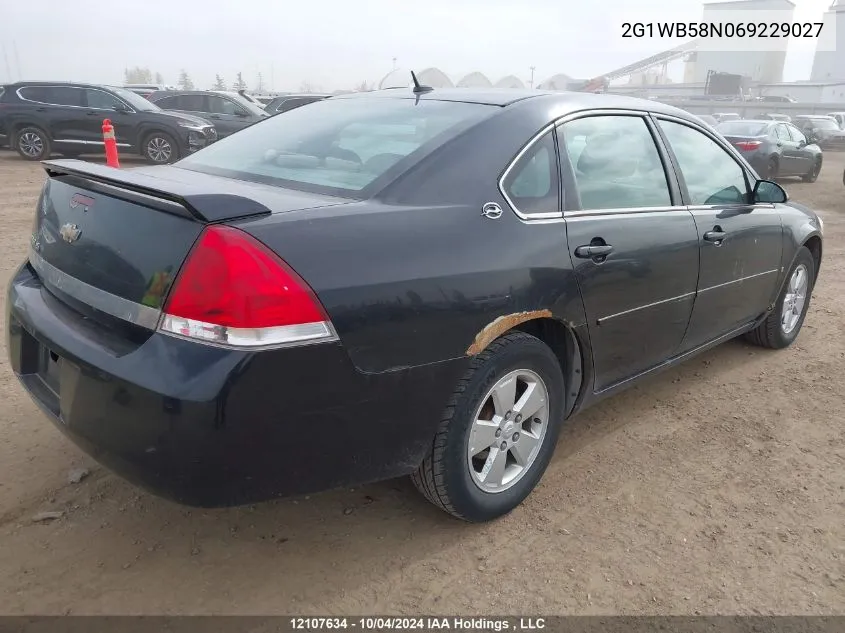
(717, 487)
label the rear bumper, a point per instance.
(207, 426)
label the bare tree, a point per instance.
(185, 82)
(259, 86)
(159, 78)
(363, 87)
(239, 84)
(138, 75)
(219, 84)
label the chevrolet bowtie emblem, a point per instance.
(70, 233)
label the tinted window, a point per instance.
(103, 100)
(616, 163)
(796, 134)
(219, 105)
(191, 103)
(54, 95)
(168, 103)
(711, 174)
(743, 128)
(338, 146)
(532, 184)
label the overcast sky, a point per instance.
(335, 44)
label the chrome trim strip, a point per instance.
(648, 305)
(130, 110)
(98, 299)
(734, 281)
(69, 140)
(591, 212)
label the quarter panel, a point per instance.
(407, 286)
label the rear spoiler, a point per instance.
(170, 196)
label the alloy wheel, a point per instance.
(508, 430)
(159, 149)
(794, 299)
(31, 144)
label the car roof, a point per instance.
(69, 84)
(761, 121)
(564, 102)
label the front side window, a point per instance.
(711, 174)
(102, 100)
(796, 134)
(782, 132)
(616, 163)
(532, 184)
(219, 105)
(337, 146)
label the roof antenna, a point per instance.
(418, 88)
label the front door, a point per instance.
(634, 249)
(103, 105)
(226, 115)
(740, 243)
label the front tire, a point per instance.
(781, 327)
(498, 433)
(813, 174)
(32, 143)
(159, 148)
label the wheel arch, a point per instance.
(814, 244)
(558, 335)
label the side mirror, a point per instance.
(119, 107)
(241, 113)
(802, 143)
(768, 192)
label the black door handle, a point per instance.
(91, 113)
(593, 251)
(715, 236)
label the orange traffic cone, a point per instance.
(111, 144)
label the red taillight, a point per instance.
(235, 291)
(746, 146)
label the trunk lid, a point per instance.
(110, 242)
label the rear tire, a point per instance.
(783, 324)
(32, 143)
(159, 148)
(467, 473)
(813, 175)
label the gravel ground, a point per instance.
(716, 487)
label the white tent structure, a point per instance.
(557, 82)
(510, 82)
(398, 78)
(475, 80)
(435, 78)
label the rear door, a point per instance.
(740, 243)
(633, 243)
(792, 161)
(61, 107)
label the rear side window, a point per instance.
(191, 103)
(52, 95)
(532, 184)
(616, 163)
(712, 175)
(337, 146)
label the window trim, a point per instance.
(747, 170)
(543, 215)
(54, 105)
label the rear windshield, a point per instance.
(743, 128)
(338, 146)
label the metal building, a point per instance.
(830, 65)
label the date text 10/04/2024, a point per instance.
(417, 624)
(722, 29)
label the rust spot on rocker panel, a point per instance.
(496, 328)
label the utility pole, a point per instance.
(8, 68)
(394, 63)
(17, 59)
(533, 68)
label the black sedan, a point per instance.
(393, 283)
(774, 148)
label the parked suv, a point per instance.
(39, 118)
(228, 111)
(289, 102)
(823, 130)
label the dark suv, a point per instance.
(39, 118)
(229, 111)
(289, 102)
